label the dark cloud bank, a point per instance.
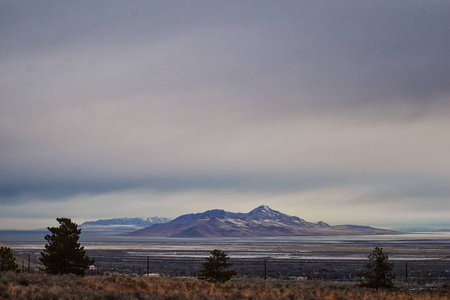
(269, 98)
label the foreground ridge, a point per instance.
(42, 286)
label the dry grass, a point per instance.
(41, 286)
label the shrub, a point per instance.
(4, 291)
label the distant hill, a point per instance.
(122, 224)
(423, 229)
(260, 222)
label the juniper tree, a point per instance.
(378, 274)
(215, 269)
(63, 253)
(7, 260)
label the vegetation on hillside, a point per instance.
(44, 286)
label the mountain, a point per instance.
(260, 222)
(422, 229)
(122, 224)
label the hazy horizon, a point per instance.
(334, 111)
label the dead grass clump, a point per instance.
(4, 291)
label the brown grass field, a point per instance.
(42, 286)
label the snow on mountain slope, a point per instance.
(261, 221)
(122, 224)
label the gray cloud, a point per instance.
(268, 98)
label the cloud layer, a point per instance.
(233, 102)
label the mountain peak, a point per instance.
(262, 209)
(265, 212)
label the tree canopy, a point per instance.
(63, 253)
(378, 274)
(215, 269)
(7, 260)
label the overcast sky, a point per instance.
(328, 110)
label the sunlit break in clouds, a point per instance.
(328, 110)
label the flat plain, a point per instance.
(421, 258)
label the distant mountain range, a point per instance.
(122, 224)
(422, 229)
(260, 222)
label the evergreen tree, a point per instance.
(7, 260)
(63, 254)
(215, 269)
(378, 274)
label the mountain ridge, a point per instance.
(259, 222)
(122, 224)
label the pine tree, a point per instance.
(7, 260)
(63, 254)
(215, 268)
(379, 273)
